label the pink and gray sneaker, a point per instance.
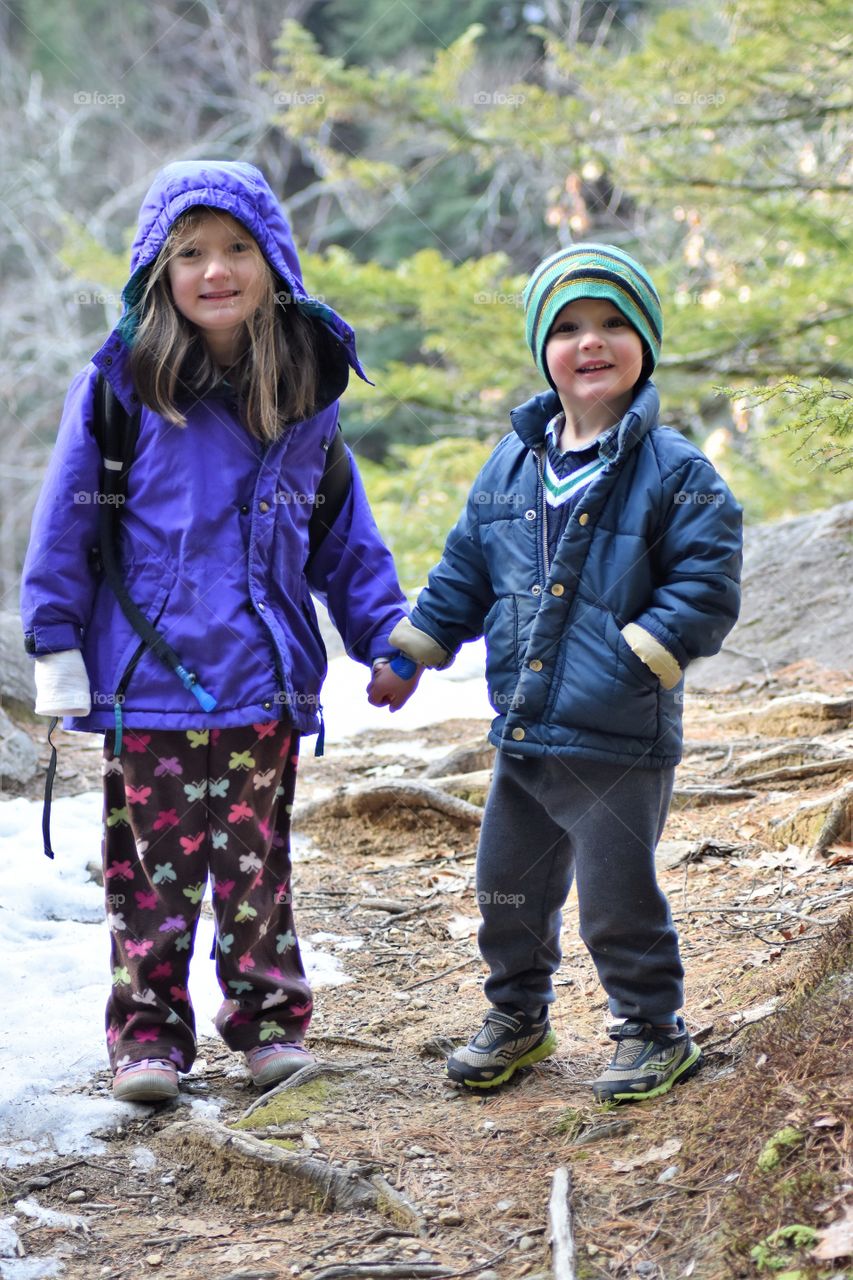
(272, 1063)
(148, 1080)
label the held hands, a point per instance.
(386, 689)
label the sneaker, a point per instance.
(274, 1062)
(148, 1080)
(647, 1062)
(505, 1042)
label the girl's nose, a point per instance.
(216, 267)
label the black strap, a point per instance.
(116, 432)
(332, 493)
(48, 791)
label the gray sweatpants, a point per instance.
(551, 819)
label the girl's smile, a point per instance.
(216, 278)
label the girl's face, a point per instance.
(594, 356)
(217, 277)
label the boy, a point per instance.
(599, 553)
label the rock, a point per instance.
(18, 756)
(450, 1218)
(17, 688)
(471, 757)
(795, 601)
(526, 1243)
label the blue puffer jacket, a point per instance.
(655, 540)
(214, 533)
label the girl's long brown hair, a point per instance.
(275, 377)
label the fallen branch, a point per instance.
(560, 1214)
(353, 1041)
(690, 797)
(387, 1270)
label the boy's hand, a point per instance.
(387, 689)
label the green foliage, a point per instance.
(766, 1255)
(713, 147)
(418, 497)
(777, 1146)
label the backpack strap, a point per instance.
(116, 432)
(332, 492)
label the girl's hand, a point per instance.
(387, 689)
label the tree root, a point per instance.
(375, 798)
(244, 1170)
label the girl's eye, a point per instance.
(240, 247)
(188, 252)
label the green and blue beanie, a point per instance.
(592, 271)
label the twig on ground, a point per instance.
(445, 973)
(352, 1040)
(560, 1214)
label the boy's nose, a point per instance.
(590, 338)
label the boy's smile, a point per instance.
(595, 359)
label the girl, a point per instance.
(233, 373)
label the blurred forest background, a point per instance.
(429, 156)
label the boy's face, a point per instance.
(594, 357)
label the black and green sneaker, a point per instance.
(648, 1061)
(505, 1042)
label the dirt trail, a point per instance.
(666, 1189)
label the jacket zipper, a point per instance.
(544, 519)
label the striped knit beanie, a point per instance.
(592, 271)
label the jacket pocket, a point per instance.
(136, 650)
(627, 657)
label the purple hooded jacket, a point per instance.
(214, 532)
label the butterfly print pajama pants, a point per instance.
(179, 805)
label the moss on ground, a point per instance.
(289, 1107)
